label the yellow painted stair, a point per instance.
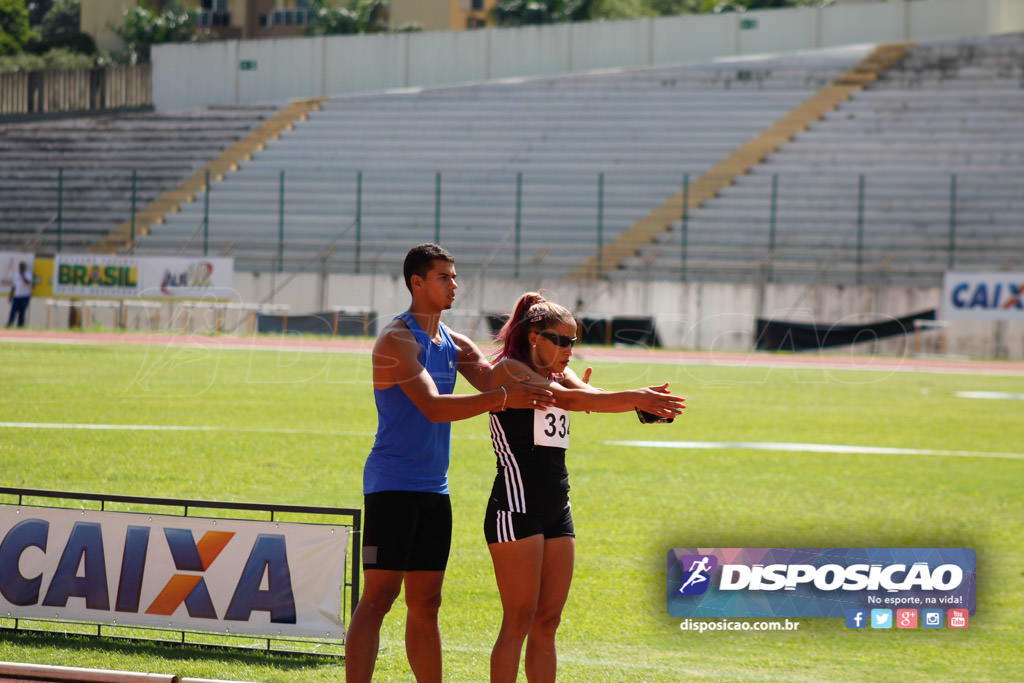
(740, 161)
(120, 239)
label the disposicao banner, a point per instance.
(817, 582)
(188, 573)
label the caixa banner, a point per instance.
(816, 582)
(189, 573)
(983, 296)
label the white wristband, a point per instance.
(504, 399)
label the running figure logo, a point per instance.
(696, 573)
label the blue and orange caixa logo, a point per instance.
(79, 570)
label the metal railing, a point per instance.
(854, 229)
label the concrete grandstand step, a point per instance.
(97, 157)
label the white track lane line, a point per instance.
(991, 395)
(809, 448)
(172, 428)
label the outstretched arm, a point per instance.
(396, 362)
(571, 393)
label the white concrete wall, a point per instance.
(535, 50)
(701, 316)
(286, 68)
(706, 316)
(187, 75)
(443, 57)
(1005, 13)
(781, 31)
(694, 38)
(949, 18)
(608, 44)
(362, 63)
(191, 75)
(872, 23)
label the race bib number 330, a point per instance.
(551, 428)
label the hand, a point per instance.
(660, 402)
(586, 379)
(522, 394)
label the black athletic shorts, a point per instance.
(407, 530)
(502, 526)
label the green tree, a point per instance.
(361, 16)
(53, 60)
(532, 12)
(37, 9)
(59, 29)
(714, 5)
(667, 8)
(15, 32)
(63, 18)
(619, 9)
(144, 27)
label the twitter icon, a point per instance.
(881, 618)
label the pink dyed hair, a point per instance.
(532, 313)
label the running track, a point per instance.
(759, 359)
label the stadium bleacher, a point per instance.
(90, 162)
(641, 128)
(917, 173)
(939, 141)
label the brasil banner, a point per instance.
(99, 275)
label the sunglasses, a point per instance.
(558, 339)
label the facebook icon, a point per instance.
(856, 618)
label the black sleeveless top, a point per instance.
(530, 449)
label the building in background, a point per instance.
(441, 15)
(241, 19)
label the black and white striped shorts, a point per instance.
(502, 526)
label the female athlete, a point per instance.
(528, 523)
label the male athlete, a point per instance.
(407, 523)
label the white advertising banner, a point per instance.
(100, 275)
(189, 573)
(983, 296)
(186, 278)
(9, 261)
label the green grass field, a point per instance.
(295, 428)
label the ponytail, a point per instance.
(532, 312)
(514, 335)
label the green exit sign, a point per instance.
(747, 24)
(247, 65)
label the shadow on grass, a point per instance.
(168, 652)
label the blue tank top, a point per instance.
(410, 453)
